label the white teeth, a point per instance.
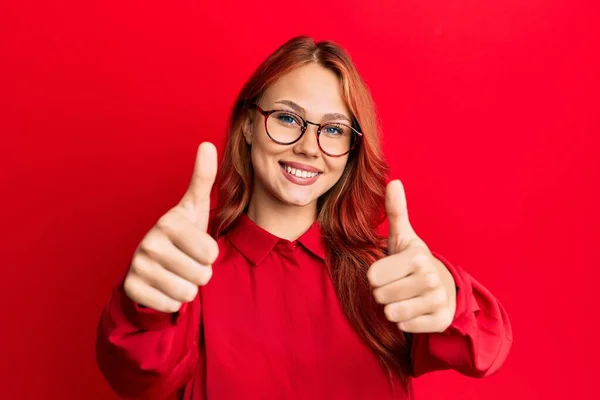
(300, 173)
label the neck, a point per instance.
(282, 220)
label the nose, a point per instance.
(308, 143)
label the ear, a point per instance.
(248, 128)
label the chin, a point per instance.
(297, 201)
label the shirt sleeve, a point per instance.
(478, 340)
(147, 354)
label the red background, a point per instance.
(491, 118)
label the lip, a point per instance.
(301, 166)
(296, 180)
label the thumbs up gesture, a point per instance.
(177, 254)
(417, 290)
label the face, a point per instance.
(314, 93)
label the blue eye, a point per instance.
(334, 130)
(287, 119)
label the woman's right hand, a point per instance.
(176, 255)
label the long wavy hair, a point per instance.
(348, 214)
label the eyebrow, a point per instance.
(301, 110)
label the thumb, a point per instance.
(197, 198)
(400, 229)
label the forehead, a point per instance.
(313, 87)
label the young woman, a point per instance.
(285, 289)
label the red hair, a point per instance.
(349, 213)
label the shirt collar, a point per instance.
(255, 243)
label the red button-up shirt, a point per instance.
(269, 326)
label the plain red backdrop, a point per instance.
(491, 118)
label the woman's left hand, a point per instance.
(417, 290)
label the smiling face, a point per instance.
(297, 174)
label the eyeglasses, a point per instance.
(287, 127)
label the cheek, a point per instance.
(258, 162)
(262, 144)
(335, 172)
(263, 156)
(336, 168)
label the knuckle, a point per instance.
(448, 318)
(372, 275)
(187, 292)
(379, 295)
(191, 293)
(438, 298)
(129, 286)
(166, 223)
(392, 312)
(144, 269)
(196, 278)
(136, 290)
(420, 263)
(170, 306)
(196, 273)
(209, 250)
(151, 245)
(444, 320)
(136, 266)
(204, 275)
(431, 280)
(409, 326)
(420, 258)
(214, 251)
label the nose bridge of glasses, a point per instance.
(317, 126)
(312, 140)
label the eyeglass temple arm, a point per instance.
(260, 110)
